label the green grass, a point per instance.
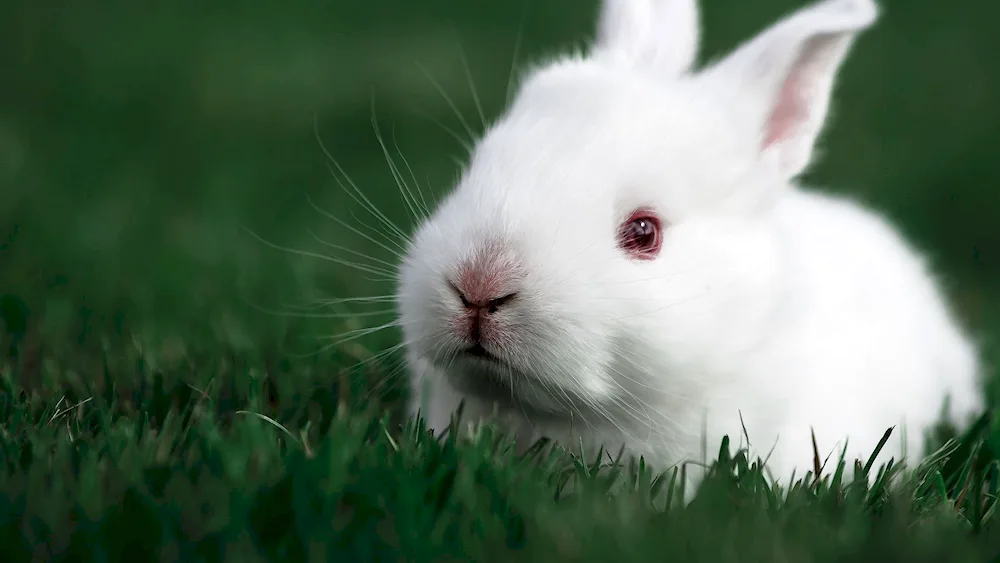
(223, 457)
(151, 408)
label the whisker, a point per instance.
(640, 403)
(354, 335)
(382, 382)
(629, 357)
(349, 250)
(416, 184)
(397, 176)
(356, 266)
(448, 100)
(458, 161)
(367, 205)
(466, 144)
(399, 370)
(468, 77)
(389, 351)
(398, 253)
(316, 304)
(393, 279)
(359, 332)
(357, 192)
(322, 315)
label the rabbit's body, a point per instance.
(865, 340)
(627, 261)
(858, 339)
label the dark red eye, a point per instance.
(641, 235)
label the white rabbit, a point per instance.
(627, 261)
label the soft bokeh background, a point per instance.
(139, 142)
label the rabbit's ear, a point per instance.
(782, 79)
(662, 33)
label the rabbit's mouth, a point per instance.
(479, 352)
(487, 377)
(481, 373)
(485, 381)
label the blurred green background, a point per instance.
(138, 141)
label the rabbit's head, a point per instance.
(608, 234)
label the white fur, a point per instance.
(791, 309)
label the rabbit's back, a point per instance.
(868, 339)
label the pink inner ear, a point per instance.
(790, 111)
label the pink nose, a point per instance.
(488, 307)
(478, 316)
(484, 285)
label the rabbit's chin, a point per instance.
(503, 387)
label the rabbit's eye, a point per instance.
(640, 236)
